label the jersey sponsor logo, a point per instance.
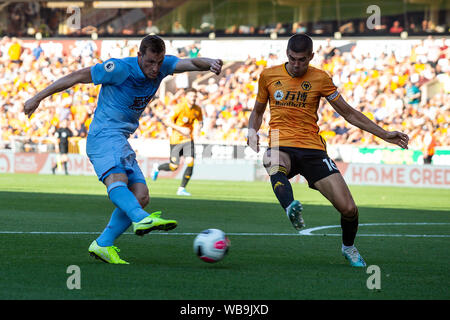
(140, 103)
(333, 95)
(278, 95)
(290, 98)
(109, 66)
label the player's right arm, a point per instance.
(171, 123)
(254, 123)
(256, 117)
(183, 130)
(79, 76)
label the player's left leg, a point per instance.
(64, 160)
(188, 151)
(335, 189)
(186, 177)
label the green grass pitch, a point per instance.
(48, 222)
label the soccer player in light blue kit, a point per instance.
(128, 85)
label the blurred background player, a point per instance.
(62, 135)
(294, 90)
(182, 138)
(128, 84)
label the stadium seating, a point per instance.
(379, 85)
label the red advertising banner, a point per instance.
(398, 175)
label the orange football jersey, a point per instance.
(293, 105)
(184, 116)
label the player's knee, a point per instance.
(143, 199)
(349, 212)
(273, 170)
(173, 166)
(190, 162)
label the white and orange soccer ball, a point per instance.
(211, 245)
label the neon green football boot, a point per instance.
(106, 254)
(153, 222)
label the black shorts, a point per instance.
(313, 164)
(185, 149)
(63, 148)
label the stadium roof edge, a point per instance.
(234, 38)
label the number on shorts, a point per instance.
(330, 164)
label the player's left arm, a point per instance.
(199, 64)
(359, 120)
(198, 129)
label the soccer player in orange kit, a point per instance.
(294, 90)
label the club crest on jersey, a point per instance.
(185, 119)
(278, 95)
(109, 66)
(306, 85)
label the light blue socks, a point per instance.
(128, 210)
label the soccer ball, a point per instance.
(211, 245)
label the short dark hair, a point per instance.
(153, 43)
(300, 43)
(190, 89)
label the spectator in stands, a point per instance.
(352, 73)
(412, 94)
(15, 50)
(37, 51)
(396, 28)
(298, 27)
(426, 26)
(429, 143)
(194, 50)
(347, 27)
(151, 28)
(177, 28)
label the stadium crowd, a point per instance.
(387, 88)
(28, 18)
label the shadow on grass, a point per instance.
(25, 211)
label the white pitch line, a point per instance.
(306, 232)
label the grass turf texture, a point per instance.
(258, 267)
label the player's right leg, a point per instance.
(278, 165)
(168, 166)
(189, 156)
(115, 164)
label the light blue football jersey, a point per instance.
(124, 94)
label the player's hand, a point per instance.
(253, 140)
(30, 106)
(185, 131)
(216, 66)
(397, 138)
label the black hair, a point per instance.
(190, 89)
(300, 43)
(153, 43)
